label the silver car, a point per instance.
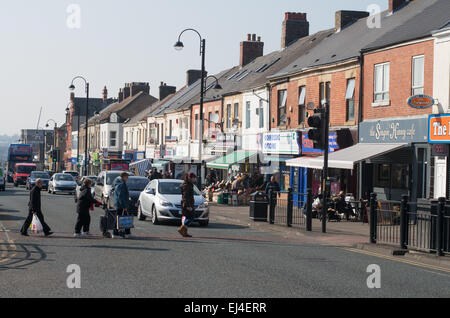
(62, 183)
(161, 201)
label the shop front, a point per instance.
(439, 139)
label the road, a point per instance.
(223, 260)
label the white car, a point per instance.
(62, 183)
(161, 201)
(104, 185)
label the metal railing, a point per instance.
(290, 212)
(422, 226)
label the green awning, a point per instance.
(236, 157)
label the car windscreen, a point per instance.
(137, 184)
(173, 188)
(40, 175)
(110, 177)
(25, 169)
(64, 177)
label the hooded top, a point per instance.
(121, 195)
(187, 198)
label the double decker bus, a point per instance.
(18, 153)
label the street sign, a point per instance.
(439, 129)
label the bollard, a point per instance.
(272, 203)
(309, 202)
(404, 222)
(373, 218)
(290, 207)
(440, 226)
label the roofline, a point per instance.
(398, 44)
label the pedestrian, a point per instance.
(160, 174)
(167, 175)
(272, 188)
(85, 201)
(121, 200)
(154, 174)
(34, 208)
(187, 203)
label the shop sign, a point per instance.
(421, 101)
(140, 155)
(439, 129)
(394, 131)
(286, 143)
(439, 150)
(308, 144)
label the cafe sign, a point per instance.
(394, 131)
(421, 101)
(439, 129)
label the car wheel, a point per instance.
(141, 215)
(204, 224)
(155, 220)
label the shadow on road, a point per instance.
(20, 257)
(125, 248)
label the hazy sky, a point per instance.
(122, 41)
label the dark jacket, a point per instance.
(35, 200)
(187, 199)
(272, 187)
(121, 195)
(85, 200)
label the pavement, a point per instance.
(228, 259)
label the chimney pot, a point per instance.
(253, 37)
(249, 37)
(295, 26)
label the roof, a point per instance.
(416, 19)
(147, 111)
(95, 105)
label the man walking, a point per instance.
(121, 200)
(187, 203)
(34, 208)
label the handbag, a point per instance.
(36, 225)
(125, 222)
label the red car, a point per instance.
(21, 173)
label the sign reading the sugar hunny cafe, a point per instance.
(439, 129)
(412, 130)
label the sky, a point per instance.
(118, 41)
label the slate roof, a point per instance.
(415, 20)
(147, 111)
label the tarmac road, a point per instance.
(223, 260)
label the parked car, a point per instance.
(62, 183)
(161, 201)
(135, 186)
(74, 174)
(80, 184)
(31, 181)
(104, 184)
(2, 180)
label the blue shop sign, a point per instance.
(394, 130)
(308, 145)
(74, 161)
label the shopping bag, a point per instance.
(125, 222)
(36, 225)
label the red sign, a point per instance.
(421, 101)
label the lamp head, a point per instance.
(72, 87)
(46, 125)
(179, 46)
(218, 86)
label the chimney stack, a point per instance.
(137, 87)
(344, 18)
(394, 5)
(120, 97)
(105, 94)
(251, 49)
(165, 90)
(193, 76)
(295, 26)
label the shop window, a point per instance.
(247, 115)
(229, 116)
(112, 138)
(282, 115)
(261, 113)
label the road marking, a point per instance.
(418, 264)
(11, 244)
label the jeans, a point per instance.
(185, 221)
(83, 222)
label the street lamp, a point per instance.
(72, 87)
(179, 46)
(54, 137)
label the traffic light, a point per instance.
(317, 133)
(55, 155)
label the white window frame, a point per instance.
(385, 83)
(111, 138)
(248, 110)
(417, 89)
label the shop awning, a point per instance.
(236, 157)
(346, 158)
(159, 164)
(141, 166)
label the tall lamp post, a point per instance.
(54, 138)
(72, 87)
(179, 46)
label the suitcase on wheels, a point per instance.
(108, 221)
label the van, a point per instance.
(104, 185)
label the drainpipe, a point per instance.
(360, 118)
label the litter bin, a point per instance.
(258, 207)
(225, 198)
